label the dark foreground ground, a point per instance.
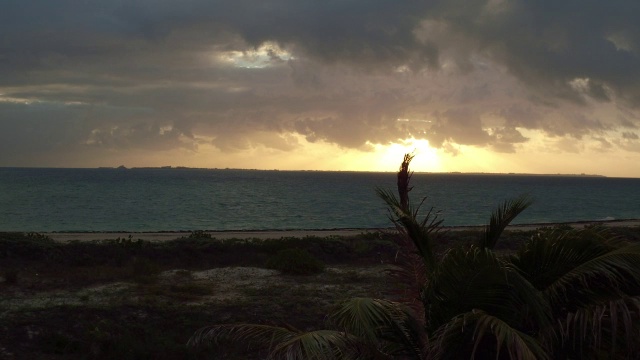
(133, 299)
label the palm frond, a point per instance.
(262, 336)
(320, 345)
(409, 277)
(394, 206)
(282, 342)
(607, 276)
(501, 218)
(415, 259)
(467, 334)
(404, 178)
(477, 278)
(390, 325)
(420, 233)
(553, 252)
(518, 344)
(589, 277)
(611, 325)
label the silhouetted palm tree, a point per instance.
(563, 294)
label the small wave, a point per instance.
(607, 218)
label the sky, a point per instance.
(467, 85)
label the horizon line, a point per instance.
(169, 167)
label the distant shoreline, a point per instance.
(180, 168)
(301, 233)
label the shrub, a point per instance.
(11, 277)
(31, 246)
(295, 262)
(145, 271)
(199, 234)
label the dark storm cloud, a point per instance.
(550, 43)
(167, 74)
(360, 31)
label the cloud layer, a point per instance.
(98, 77)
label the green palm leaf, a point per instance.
(389, 325)
(320, 345)
(418, 232)
(552, 253)
(608, 276)
(581, 265)
(281, 342)
(264, 336)
(409, 276)
(501, 218)
(476, 278)
(592, 282)
(466, 334)
(587, 328)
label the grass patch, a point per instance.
(11, 277)
(295, 262)
(192, 289)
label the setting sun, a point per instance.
(427, 158)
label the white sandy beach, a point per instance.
(276, 234)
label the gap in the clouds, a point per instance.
(266, 55)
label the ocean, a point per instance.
(178, 199)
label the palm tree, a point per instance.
(563, 294)
(591, 283)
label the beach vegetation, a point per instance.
(91, 299)
(10, 276)
(295, 261)
(145, 271)
(15, 245)
(81, 300)
(563, 293)
(199, 234)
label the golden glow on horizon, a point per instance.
(388, 157)
(537, 156)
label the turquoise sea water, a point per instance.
(198, 199)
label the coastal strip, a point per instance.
(277, 234)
